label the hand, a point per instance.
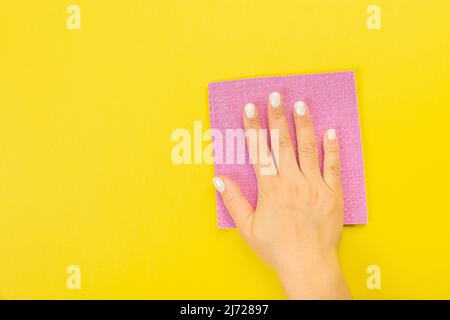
(297, 223)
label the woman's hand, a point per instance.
(297, 223)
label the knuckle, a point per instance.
(334, 170)
(334, 148)
(277, 114)
(228, 201)
(307, 149)
(284, 141)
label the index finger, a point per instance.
(260, 155)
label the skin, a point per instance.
(297, 223)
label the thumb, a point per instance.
(235, 202)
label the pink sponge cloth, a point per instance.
(332, 101)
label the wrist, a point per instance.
(313, 277)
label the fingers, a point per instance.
(235, 202)
(260, 155)
(280, 139)
(306, 142)
(331, 161)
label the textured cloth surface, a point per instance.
(331, 98)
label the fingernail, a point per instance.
(331, 134)
(218, 184)
(300, 108)
(275, 99)
(249, 109)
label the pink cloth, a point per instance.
(332, 101)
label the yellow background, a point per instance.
(86, 116)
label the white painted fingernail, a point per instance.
(249, 109)
(331, 134)
(300, 108)
(218, 184)
(275, 99)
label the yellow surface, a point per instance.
(86, 116)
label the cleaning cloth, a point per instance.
(332, 102)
